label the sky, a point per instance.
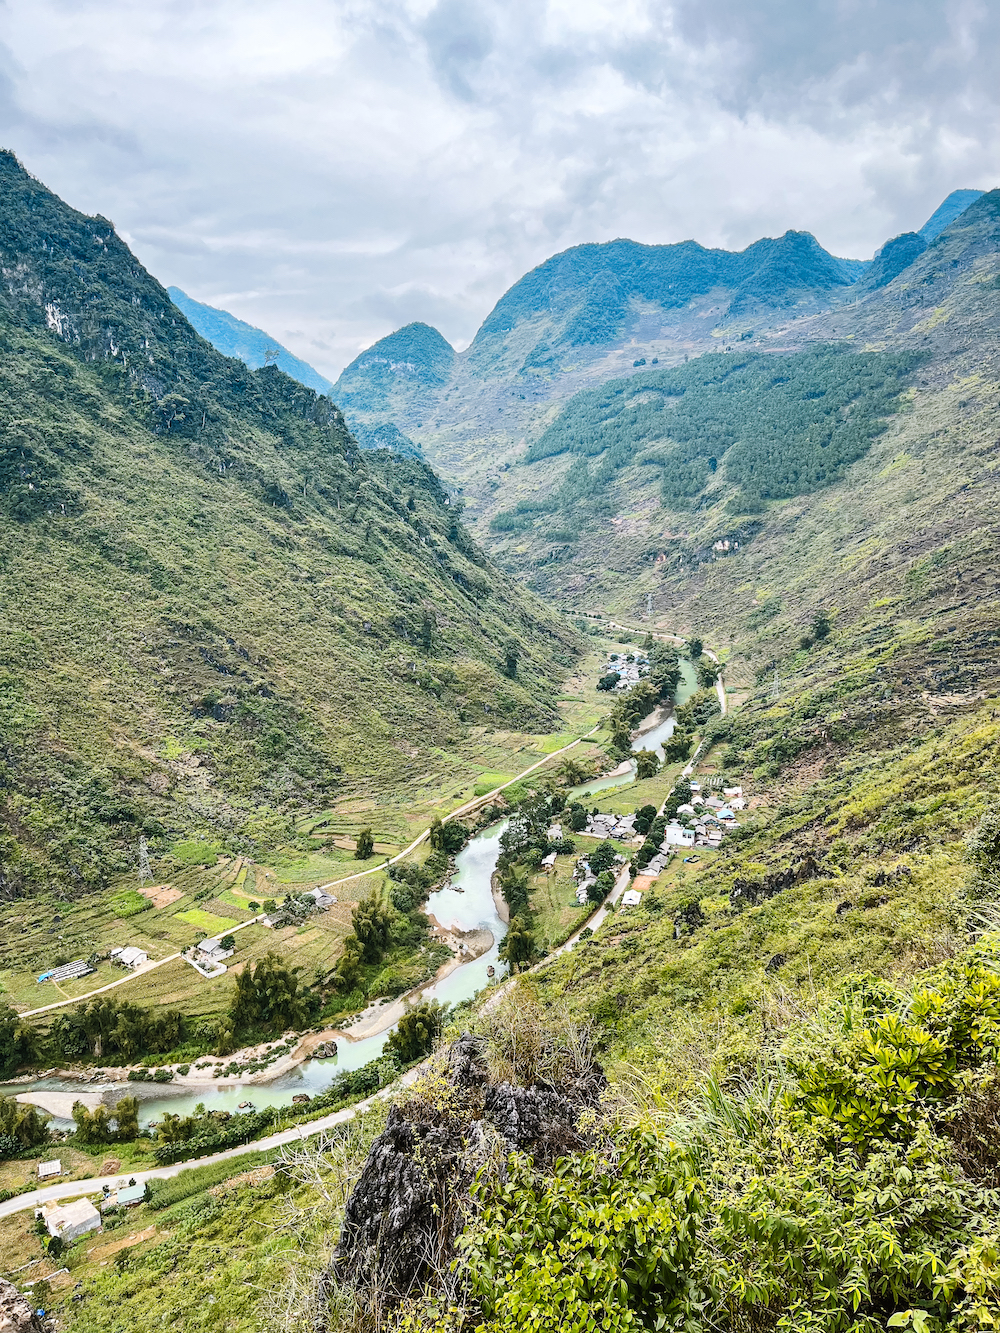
(332, 169)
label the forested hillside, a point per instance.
(216, 609)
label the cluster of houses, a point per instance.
(68, 1221)
(629, 673)
(610, 826)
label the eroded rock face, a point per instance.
(16, 1314)
(412, 1197)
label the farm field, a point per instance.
(200, 890)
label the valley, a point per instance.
(700, 540)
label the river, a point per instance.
(649, 740)
(465, 903)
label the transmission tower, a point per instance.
(776, 684)
(144, 869)
(649, 603)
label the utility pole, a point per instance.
(145, 873)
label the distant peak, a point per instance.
(946, 213)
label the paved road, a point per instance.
(129, 976)
(465, 809)
(74, 1189)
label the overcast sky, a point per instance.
(332, 169)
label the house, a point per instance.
(675, 836)
(130, 956)
(738, 803)
(713, 803)
(685, 809)
(555, 833)
(46, 1170)
(631, 898)
(69, 1220)
(732, 791)
(321, 899)
(130, 1196)
(696, 786)
(212, 950)
(582, 895)
(548, 862)
(725, 813)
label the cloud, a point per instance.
(333, 168)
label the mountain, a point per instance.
(946, 213)
(589, 296)
(585, 317)
(234, 337)
(216, 610)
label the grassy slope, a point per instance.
(216, 612)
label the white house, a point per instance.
(675, 836)
(631, 898)
(554, 833)
(548, 862)
(46, 1170)
(212, 950)
(69, 1220)
(130, 956)
(732, 791)
(322, 900)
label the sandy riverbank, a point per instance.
(499, 901)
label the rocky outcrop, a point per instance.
(412, 1197)
(16, 1314)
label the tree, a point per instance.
(599, 889)
(365, 845)
(609, 681)
(577, 818)
(228, 941)
(574, 771)
(820, 625)
(647, 764)
(511, 657)
(92, 1126)
(18, 1041)
(126, 1113)
(695, 649)
(21, 1126)
(518, 945)
(416, 1032)
(603, 857)
(253, 907)
(267, 997)
(372, 924)
(678, 746)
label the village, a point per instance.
(701, 822)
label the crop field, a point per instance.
(201, 891)
(555, 913)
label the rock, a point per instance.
(412, 1198)
(16, 1314)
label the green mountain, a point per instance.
(217, 611)
(946, 213)
(234, 337)
(590, 295)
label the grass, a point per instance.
(555, 913)
(206, 921)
